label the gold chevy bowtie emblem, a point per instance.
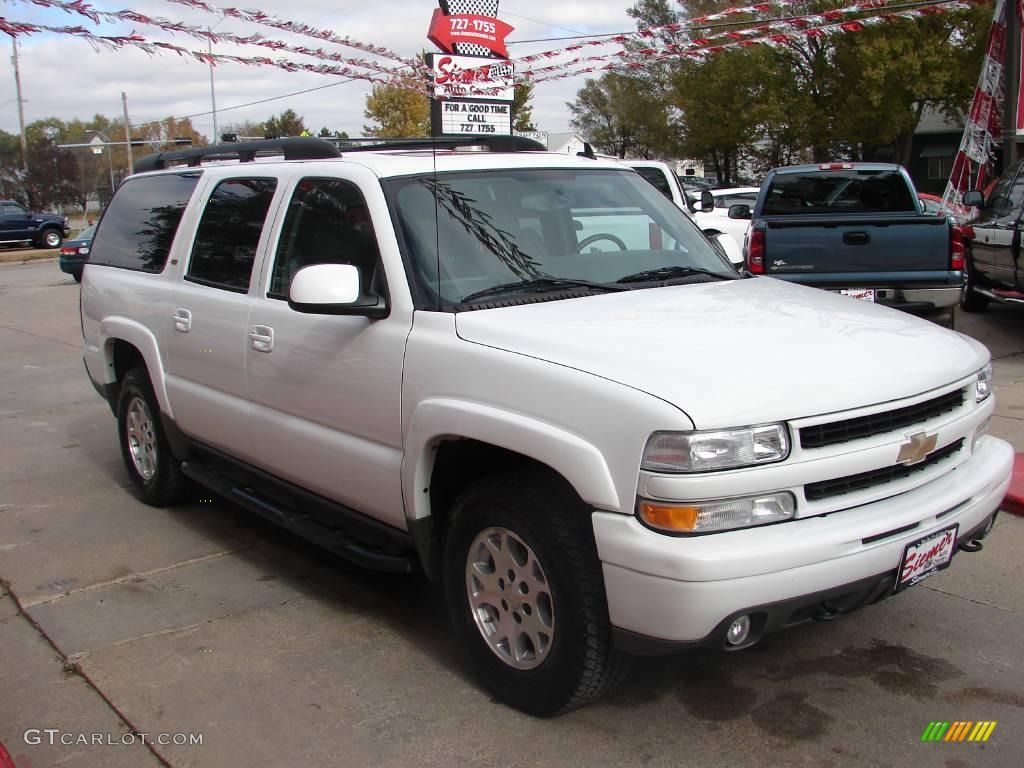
(917, 449)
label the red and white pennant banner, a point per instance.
(202, 33)
(114, 42)
(983, 123)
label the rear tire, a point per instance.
(970, 300)
(154, 471)
(50, 238)
(539, 635)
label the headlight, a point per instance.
(983, 384)
(719, 514)
(717, 449)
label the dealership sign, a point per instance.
(462, 76)
(472, 85)
(468, 28)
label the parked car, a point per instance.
(857, 229)
(20, 226)
(660, 175)
(715, 218)
(933, 204)
(74, 253)
(994, 268)
(419, 362)
(695, 182)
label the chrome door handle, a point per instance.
(261, 338)
(182, 320)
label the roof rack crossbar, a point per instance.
(295, 148)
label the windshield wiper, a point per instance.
(538, 284)
(668, 273)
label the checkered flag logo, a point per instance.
(480, 8)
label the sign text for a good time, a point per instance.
(476, 118)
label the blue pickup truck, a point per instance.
(857, 229)
(20, 226)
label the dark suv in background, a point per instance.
(994, 269)
(20, 226)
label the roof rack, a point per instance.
(296, 148)
(490, 143)
(314, 148)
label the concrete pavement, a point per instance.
(202, 620)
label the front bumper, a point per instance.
(671, 590)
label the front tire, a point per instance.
(526, 594)
(154, 471)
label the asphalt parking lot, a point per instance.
(203, 621)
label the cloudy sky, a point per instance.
(63, 77)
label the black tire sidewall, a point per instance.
(154, 491)
(546, 689)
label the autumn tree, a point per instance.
(397, 111)
(522, 108)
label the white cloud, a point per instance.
(63, 77)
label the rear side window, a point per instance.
(229, 232)
(657, 179)
(141, 221)
(838, 193)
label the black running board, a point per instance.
(308, 527)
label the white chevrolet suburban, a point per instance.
(531, 378)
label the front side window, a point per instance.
(229, 233)
(140, 223)
(327, 222)
(466, 235)
(12, 211)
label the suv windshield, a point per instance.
(471, 237)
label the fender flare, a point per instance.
(435, 420)
(117, 328)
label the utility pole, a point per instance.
(127, 134)
(21, 108)
(213, 98)
(1011, 72)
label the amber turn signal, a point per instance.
(671, 518)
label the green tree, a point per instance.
(288, 123)
(397, 112)
(522, 108)
(621, 116)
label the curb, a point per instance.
(1014, 501)
(28, 256)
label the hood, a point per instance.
(737, 352)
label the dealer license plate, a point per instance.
(864, 294)
(927, 556)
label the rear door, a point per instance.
(996, 245)
(208, 321)
(14, 222)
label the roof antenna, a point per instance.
(588, 151)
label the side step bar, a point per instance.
(997, 296)
(332, 539)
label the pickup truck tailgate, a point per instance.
(867, 244)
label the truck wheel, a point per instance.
(525, 592)
(154, 471)
(51, 238)
(971, 300)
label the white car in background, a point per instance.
(716, 220)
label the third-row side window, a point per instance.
(229, 232)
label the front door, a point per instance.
(326, 390)
(14, 222)
(208, 322)
(995, 249)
